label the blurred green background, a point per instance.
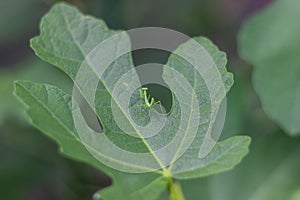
(32, 168)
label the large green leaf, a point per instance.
(66, 41)
(270, 41)
(44, 105)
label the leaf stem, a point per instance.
(175, 191)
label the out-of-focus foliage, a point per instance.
(31, 169)
(270, 41)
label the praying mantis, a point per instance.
(149, 101)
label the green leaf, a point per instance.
(68, 40)
(270, 41)
(44, 104)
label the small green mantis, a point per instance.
(149, 101)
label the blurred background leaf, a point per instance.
(270, 41)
